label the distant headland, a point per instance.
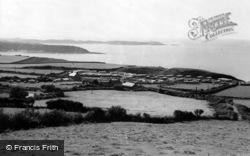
(56, 41)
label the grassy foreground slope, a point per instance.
(15, 46)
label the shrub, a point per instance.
(25, 119)
(59, 94)
(97, 115)
(4, 121)
(66, 105)
(244, 111)
(77, 118)
(48, 88)
(183, 115)
(18, 92)
(117, 113)
(55, 118)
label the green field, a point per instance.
(200, 86)
(36, 71)
(136, 102)
(239, 91)
(10, 59)
(18, 75)
(243, 102)
(18, 110)
(38, 85)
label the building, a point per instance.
(128, 85)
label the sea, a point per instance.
(223, 56)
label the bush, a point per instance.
(48, 88)
(226, 114)
(77, 118)
(97, 115)
(66, 105)
(183, 115)
(244, 111)
(55, 118)
(30, 119)
(25, 119)
(4, 121)
(59, 94)
(117, 113)
(18, 92)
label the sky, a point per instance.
(114, 19)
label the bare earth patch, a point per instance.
(201, 138)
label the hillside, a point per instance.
(175, 71)
(29, 47)
(40, 60)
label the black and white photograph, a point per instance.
(124, 78)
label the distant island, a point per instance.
(54, 41)
(6, 46)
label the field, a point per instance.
(4, 95)
(243, 102)
(18, 75)
(38, 85)
(239, 91)
(200, 86)
(198, 138)
(10, 59)
(136, 102)
(18, 110)
(37, 71)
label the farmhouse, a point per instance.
(128, 85)
(32, 81)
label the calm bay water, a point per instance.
(229, 57)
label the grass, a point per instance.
(243, 102)
(244, 111)
(62, 85)
(18, 75)
(18, 110)
(11, 68)
(136, 102)
(237, 92)
(200, 86)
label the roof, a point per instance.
(128, 84)
(224, 79)
(72, 74)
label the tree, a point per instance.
(48, 88)
(117, 113)
(18, 92)
(198, 112)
